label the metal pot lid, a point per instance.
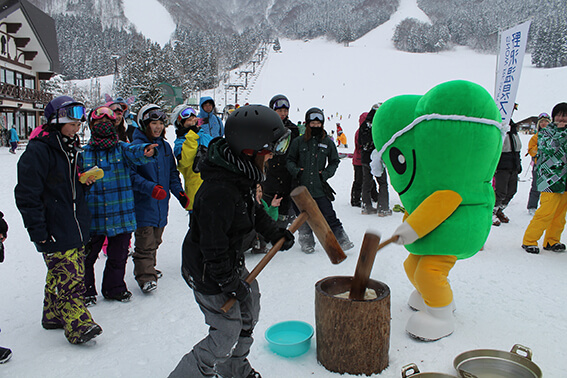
(490, 363)
(411, 370)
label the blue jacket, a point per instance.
(111, 199)
(14, 135)
(213, 124)
(50, 197)
(161, 171)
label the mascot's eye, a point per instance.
(398, 160)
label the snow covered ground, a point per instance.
(504, 296)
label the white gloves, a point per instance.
(406, 234)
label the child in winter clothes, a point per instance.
(213, 257)
(152, 184)
(551, 182)
(542, 121)
(5, 353)
(190, 138)
(111, 203)
(312, 160)
(208, 120)
(278, 179)
(254, 240)
(51, 199)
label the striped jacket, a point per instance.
(111, 199)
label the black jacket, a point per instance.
(224, 211)
(510, 159)
(278, 179)
(50, 197)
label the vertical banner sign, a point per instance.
(512, 48)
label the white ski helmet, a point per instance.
(144, 110)
(181, 112)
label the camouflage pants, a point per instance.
(63, 305)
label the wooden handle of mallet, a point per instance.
(301, 218)
(370, 246)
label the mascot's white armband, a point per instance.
(376, 164)
(406, 234)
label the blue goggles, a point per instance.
(74, 112)
(280, 103)
(186, 113)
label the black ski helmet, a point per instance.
(279, 101)
(312, 115)
(255, 128)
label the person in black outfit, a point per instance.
(213, 257)
(5, 353)
(278, 179)
(506, 176)
(366, 147)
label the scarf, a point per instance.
(243, 165)
(103, 135)
(68, 145)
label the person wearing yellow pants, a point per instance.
(551, 182)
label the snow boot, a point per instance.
(432, 324)
(90, 300)
(557, 247)
(368, 209)
(89, 332)
(495, 221)
(254, 374)
(5, 355)
(531, 248)
(384, 213)
(502, 217)
(149, 286)
(125, 296)
(343, 239)
(307, 242)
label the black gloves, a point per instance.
(237, 288)
(283, 233)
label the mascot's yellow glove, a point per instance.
(433, 211)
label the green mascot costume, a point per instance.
(441, 150)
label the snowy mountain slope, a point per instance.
(504, 296)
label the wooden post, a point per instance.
(353, 336)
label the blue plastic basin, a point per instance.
(290, 338)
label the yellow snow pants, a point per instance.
(428, 274)
(549, 217)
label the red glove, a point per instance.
(158, 192)
(184, 200)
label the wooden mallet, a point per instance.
(311, 214)
(370, 246)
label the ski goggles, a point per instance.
(102, 111)
(117, 108)
(315, 117)
(74, 112)
(280, 103)
(154, 115)
(543, 115)
(186, 113)
(279, 147)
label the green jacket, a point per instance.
(552, 159)
(314, 156)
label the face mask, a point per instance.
(316, 131)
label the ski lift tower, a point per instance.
(115, 59)
(246, 77)
(235, 86)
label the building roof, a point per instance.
(42, 26)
